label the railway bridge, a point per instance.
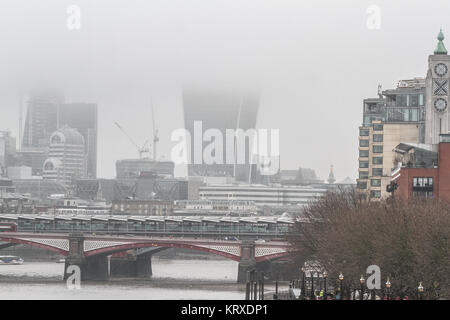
(99, 256)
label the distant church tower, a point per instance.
(437, 93)
(331, 178)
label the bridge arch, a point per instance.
(60, 246)
(229, 252)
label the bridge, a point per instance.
(98, 256)
(188, 226)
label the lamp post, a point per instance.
(420, 290)
(341, 278)
(303, 293)
(388, 287)
(361, 280)
(325, 275)
(312, 295)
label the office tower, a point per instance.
(40, 123)
(41, 119)
(7, 151)
(396, 116)
(83, 117)
(220, 110)
(66, 156)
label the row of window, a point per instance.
(376, 172)
(375, 138)
(422, 181)
(375, 149)
(375, 160)
(404, 115)
(409, 100)
(373, 183)
(366, 132)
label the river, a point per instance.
(172, 279)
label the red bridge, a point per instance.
(91, 252)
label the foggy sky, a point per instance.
(313, 62)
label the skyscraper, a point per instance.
(41, 119)
(48, 112)
(220, 110)
(83, 117)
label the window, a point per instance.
(377, 127)
(377, 149)
(375, 182)
(421, 100)
(364, 143)
(402, 100)
(375, 194)
(422, 182)
(423, 194)
(364, 164)
(378, 138)
(361, 185)
(363, 153)
(364, 132)
(405, 113)
(364, 174)
(377, 172)
(414, 114)
(414, 100)
(377, 160)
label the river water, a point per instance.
(172, 280)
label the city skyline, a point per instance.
(344, 45)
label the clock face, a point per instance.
(440, 104)
(440, 69)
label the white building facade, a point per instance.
(66, 156)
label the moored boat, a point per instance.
(10, 260)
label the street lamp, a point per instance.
(388, 287)
(325, 275)
(312, 295)
(303, 293)
(361, 280)
(341, 278)
(420, 290)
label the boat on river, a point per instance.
(10, 260)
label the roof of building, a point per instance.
(440, 49)
(405, 147)
(69, 135)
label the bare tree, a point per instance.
(409, 241)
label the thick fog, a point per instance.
(312, 61)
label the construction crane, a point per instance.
(155, 131)
(141, 150)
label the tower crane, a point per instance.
(141, 150)
(155, 131)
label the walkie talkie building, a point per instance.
(220, 110)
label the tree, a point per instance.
(409, 241)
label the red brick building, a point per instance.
(425, 173)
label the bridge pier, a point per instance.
(92, 268)
(131, 266)
(247, 262)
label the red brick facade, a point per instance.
(440, 177)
